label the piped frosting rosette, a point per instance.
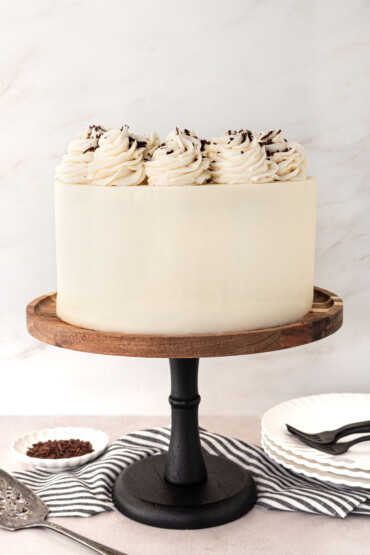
(237, 157)
(179, 161)
(75, 165)
(289, 157)
(119, 160)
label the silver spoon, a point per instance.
(21, 508)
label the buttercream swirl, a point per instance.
(75, 164)
(178, 161)
(108, 157)
(289, 157)
(119, 160)
(237, 157)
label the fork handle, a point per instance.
(354, 441)
(355, 428)
(96, 546)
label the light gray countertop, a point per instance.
(260, 531)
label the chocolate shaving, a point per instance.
(203, 143)
(141, 144)
(169, 152)
(90, 149)
(266, 136)
(59, 449)
(99, 131)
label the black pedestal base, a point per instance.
(141, 493)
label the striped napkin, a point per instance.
(87, 490)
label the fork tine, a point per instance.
(297, 432)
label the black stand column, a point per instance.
(185, 463)
(185, 488)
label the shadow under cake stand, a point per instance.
(185, 488)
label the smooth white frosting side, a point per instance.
(182, 260)
(179, 161)
(238, 157)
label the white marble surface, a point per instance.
(210, 65)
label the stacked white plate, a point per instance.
(314, 414)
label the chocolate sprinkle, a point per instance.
(169, 152)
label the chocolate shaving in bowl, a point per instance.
(60, 449)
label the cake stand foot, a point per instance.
(185, 488)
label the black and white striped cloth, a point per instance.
(87, 490)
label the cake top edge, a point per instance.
(104, 156)
(309, 181)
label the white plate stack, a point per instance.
(314, 414)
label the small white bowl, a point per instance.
(98, 439)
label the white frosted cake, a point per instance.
(186, 237)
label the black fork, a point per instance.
(334, 448)
(331, 436)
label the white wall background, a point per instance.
(210, 65)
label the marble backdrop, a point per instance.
(209, 65)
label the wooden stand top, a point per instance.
(324, 318)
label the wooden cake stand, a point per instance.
(186, 488)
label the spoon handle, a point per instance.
(96, 546)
